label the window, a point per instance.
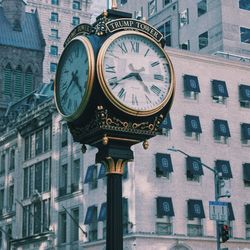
(244, 35)
(195, 216)
(64, 135)
(36, 177)
(55, 2)
(244, 4)
(194, 168)
(125, 215)
(123, 2)
(28, 80)
(53, 67)
(163, 165)
(54, 33)
(1, 201)
(165, 212)
(75, 20)
(37, 143)
(103, 217)
(247, 220)
(219, 91)
(224, 168)
(102, 171)
(74, 225)
(36, 218)
(246, 174)
(184, 19)
(245, 133)
(166, 2)
(62, 227)
(165, 29)
(54, 17)
(7, 80)
(244, 95)
(221, 131)
(202, 7)
(18, 82)
(166, 125)
(75, 175)
(91, 177)
(191, 87)
(54, 50)
(203, 40)
(192, 127)
(76, 5)
(2, 166)
(91, 220)
(185, 45)
(63, 180)
(11, 198)
(152, 7)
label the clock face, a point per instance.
(74, 78)
(135, 73)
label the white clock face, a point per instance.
(137, 72)
(72, 78)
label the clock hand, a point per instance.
(72, 79)
(138, 77)
(115, 83)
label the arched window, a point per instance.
(18, 82)
(7, 75)
(28, 81)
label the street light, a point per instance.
(218, 183)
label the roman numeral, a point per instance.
(134, 100)
(158, 77)
(155, 64)
(148, 100)
(123, 47)
(135, 47)
(155, 89)
(110, 69)
(146, 53)
(77, 52)
(75, 104)
(69, 104)
(71, 59)
(122, 94)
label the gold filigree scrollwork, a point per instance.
(114, 166)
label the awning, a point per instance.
(195, 209)
(244, 92)
(102, 171)
(230, 211)
(191, 83)
(221, 128)
(89, 174)
(247, 213)
(246, 171)
(91, 212)
(164, 206)
(219, 88)
(193, 166)
(163, 163)
(166, 123)
(224, 168)
(192, 124)
(245, 131)
(103, 212)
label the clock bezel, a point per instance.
(90, 80)
(103, 82)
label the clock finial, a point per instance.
(114, 5)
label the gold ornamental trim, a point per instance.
(104, 82)
(91, 65)
(114, 166)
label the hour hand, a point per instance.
(115, 82)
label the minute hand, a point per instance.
(115, 83)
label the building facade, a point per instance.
(204, 26)
(58, 18)
(54, 197)
(21, 53)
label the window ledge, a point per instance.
(69, 196)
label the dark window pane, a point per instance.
(203, 40)
(39, 142)
(38, 177)
(62, 227)
(244, 35)
(37, 217)
(46, 175)
(202, 7)
(244, 4)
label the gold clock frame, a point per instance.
(90, 80)
(103, 82)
